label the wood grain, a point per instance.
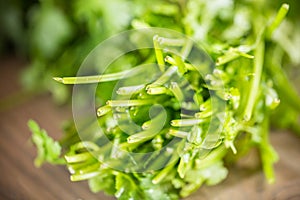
(19, 179)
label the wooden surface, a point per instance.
(19, 179)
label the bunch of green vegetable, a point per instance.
(208, 110)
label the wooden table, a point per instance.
(19, 179)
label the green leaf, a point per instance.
(105, 182)
(126, 188)
(51, 29)
(210, 175)
(48, 150)
(154, 191)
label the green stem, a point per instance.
(129, 90)
(254, 85)
(74, 168)
(172, 61)
(186, 49)
(211, 158)
(78, 157)
(166, 170)
(278, 19)
(175, 89)
(157, 90)
(186, 122)
(85, 145)
(80, 177)
(281, 81)
(178, 133)
(204, 114)
(232, 54)
(142, 136)
(156, 121)
(103, 110)
(89, 168)
(171, 41)
(159, 53)
(128, 103)
(268, 154)
(99, 78)
(164, 77)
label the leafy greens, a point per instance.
(245, 43)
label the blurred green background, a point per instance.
(54, 36)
